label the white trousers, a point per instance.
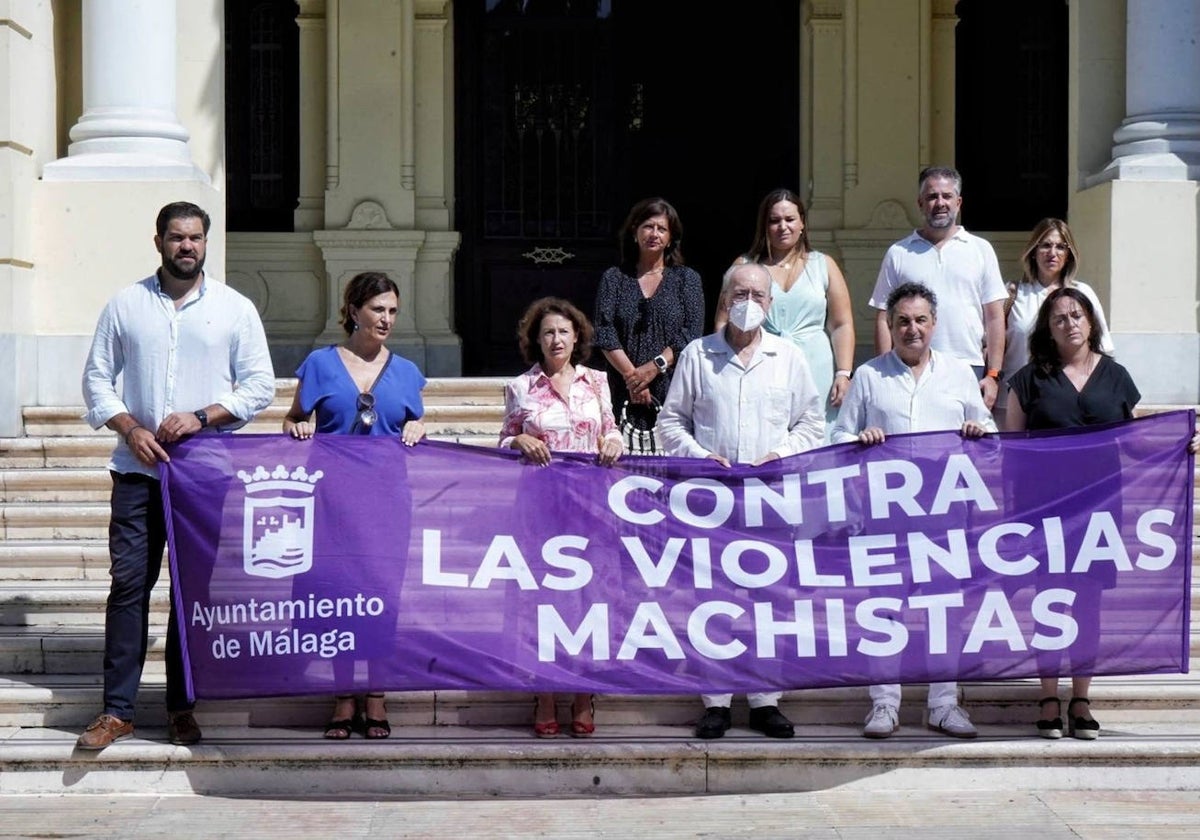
(940, 694)
(757, 701)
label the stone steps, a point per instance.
(456, 761)
(471, 405)
(72, 700)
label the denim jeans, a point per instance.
(136, 536)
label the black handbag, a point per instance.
(637, 428)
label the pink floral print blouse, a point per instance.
(576, 424)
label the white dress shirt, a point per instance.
(717, 405)
(963, 273)
(884, 394)
(211, 350)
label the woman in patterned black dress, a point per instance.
(647, 310)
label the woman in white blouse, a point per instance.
(1050, 261)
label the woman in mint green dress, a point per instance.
(810, 302)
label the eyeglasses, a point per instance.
(746, 294)
(1056, 247)
(366, 410)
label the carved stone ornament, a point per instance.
(889, 214)
(369, 215)
(554, 256)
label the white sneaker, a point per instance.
(953, 721)
(881, 722)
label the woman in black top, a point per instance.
(1071, 382)
(647, 310)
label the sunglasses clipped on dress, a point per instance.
(366, 411)
(365, 404)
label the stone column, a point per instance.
(310, 211)
(1136, 221)
(434, 288)
(129, 129)
(1159, 139)
(829, 157)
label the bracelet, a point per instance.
(838, 373)
(993, 373)
(131, 431)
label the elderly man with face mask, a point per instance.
(913, 388)
(742, 395)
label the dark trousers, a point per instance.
(136, 535)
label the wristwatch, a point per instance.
(660, 362)
(202, 416)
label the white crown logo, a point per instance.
(298, 480)
(277, 537)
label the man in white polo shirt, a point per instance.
(961, 269)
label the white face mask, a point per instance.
(746, 315)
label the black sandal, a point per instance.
(341, 728)
(1085, 729)
(1052, 728)
(369, 724)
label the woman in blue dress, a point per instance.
(359, 387)
(810, 302)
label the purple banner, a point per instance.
(342, 562)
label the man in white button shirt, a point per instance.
(962, 271)
(190, 355)
(913, 388)
(742, 395)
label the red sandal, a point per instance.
(579, 729)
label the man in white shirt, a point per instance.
(962, 271)
(742, 395)
(191, 356)
(913, 388)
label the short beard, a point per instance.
(171, 268)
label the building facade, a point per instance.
(484, 152)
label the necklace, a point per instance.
(785, 262)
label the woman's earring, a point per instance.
(356, 326)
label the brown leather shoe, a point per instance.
(182, 728)
(103, 731)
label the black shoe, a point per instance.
(182, 728)
(714, 723)
(770, 721)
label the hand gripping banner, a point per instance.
(337, 563)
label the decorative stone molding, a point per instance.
(825, 9)
(253, 287)
(432, 8)
(394, 252)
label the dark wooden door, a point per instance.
(1011, 111)
(570, 112)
